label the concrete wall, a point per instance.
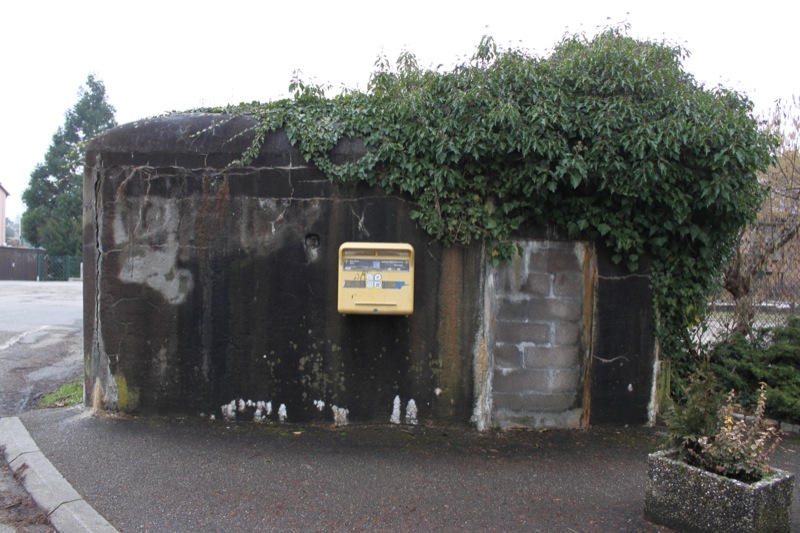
(624, 349)
(212, 290)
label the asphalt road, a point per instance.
(41, 341)
(41, 348)
(195, 474)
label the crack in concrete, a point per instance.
(627, 276)
(361, 227)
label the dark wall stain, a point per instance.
(206, 284)
(624, 346)
(257, 318)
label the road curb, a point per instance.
(66, 509)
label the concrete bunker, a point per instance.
(212, 288)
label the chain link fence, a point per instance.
(773, 297)
(59, 267)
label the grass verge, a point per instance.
(64, 396)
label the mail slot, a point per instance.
(376, 278)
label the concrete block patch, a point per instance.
(538, 284)
(567, 334)
(539, 323)
(568, 285)
(521, 419)
(513, 332)
(552, 357)
(540, 403)
(537, 380)
(507, 355)
(557, 309)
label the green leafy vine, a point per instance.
(608, 138)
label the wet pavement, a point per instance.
(41, 348)
(193, 474)
(41, 340)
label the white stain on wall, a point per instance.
(395, 418)
(340, 415)
(148, 241)
(411, 413)
(229, 410)
(261, 411)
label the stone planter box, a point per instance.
(690, 499)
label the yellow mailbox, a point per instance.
(376, 278)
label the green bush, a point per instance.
(771, 356)
(710, 431)
(696, 416)
(742, 447)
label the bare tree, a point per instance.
(767, 263)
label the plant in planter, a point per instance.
(717, 477)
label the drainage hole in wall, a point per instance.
(312, 241)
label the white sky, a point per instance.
(176, 55)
